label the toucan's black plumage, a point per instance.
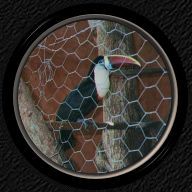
(82, 100)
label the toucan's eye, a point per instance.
(101, 61)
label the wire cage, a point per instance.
(124, 127)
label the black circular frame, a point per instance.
(15, 62)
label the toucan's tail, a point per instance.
(65, 138)
(61, 150)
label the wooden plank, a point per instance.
(56, 126)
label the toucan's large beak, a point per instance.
(117, 61)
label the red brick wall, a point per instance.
(71, 59)
(151, 99)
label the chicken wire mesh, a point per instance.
(122, 127)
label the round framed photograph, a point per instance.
(95, 96)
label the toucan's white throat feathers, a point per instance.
(101, 80)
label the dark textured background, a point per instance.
(173, 18)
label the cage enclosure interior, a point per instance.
(96, 95)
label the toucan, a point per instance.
(85, 97)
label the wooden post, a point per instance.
(111, 154)
(34, 124)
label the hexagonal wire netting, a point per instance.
(122, 128)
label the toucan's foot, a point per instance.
(85, 122)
